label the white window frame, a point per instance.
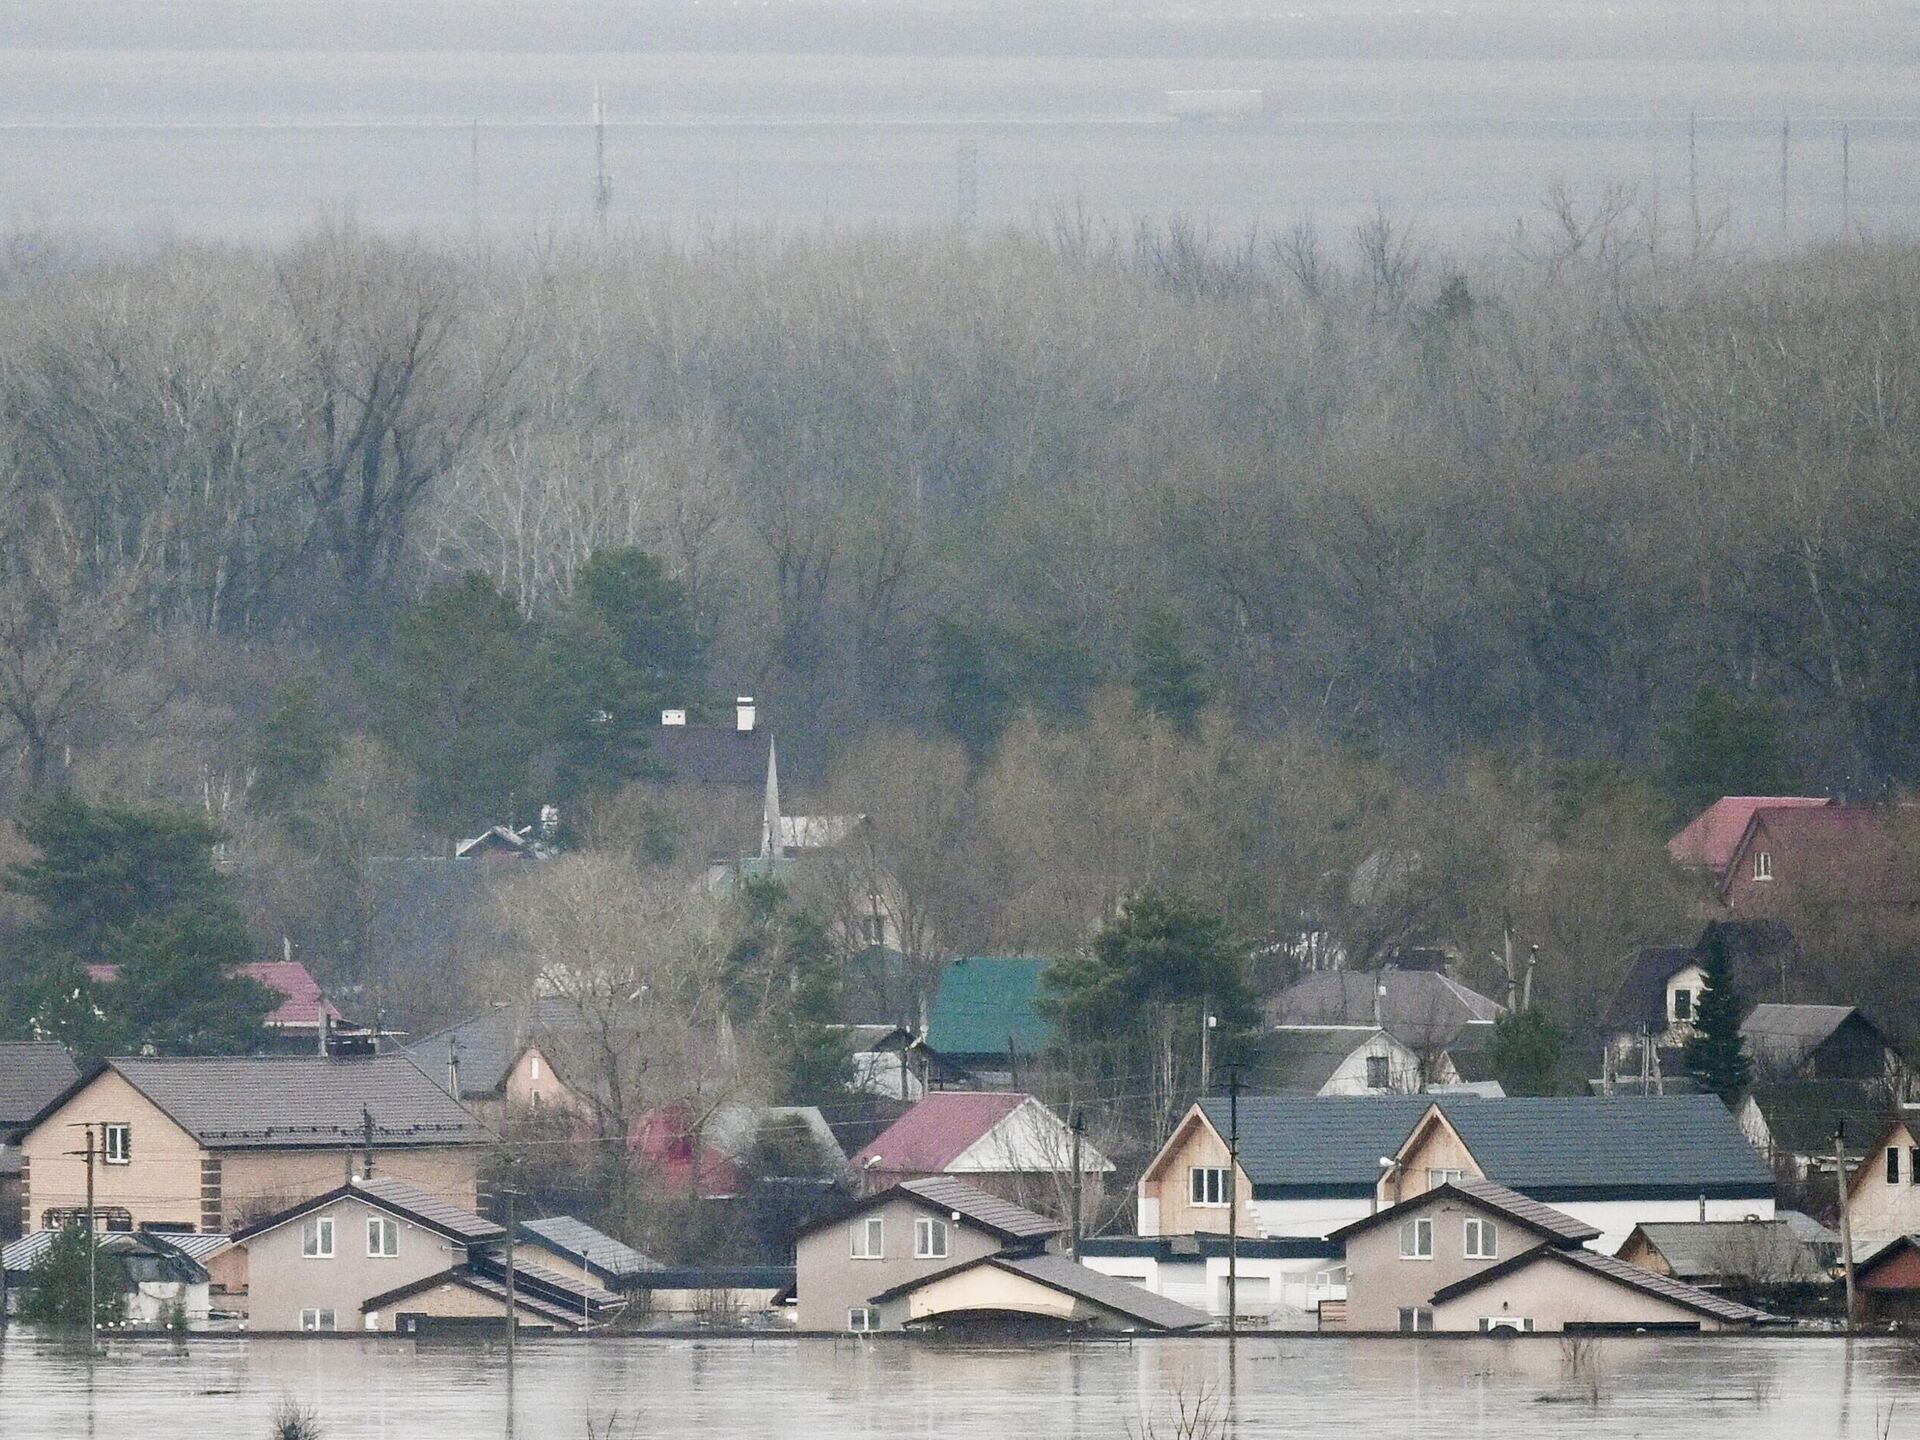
(928, 1229)
(1479, 1239)
(316, 1238)
(867, 1238)
(1437, 1178)
(383, 1237)
(1416, 1319)
(1763, 865)
(1209, 1180)
(112, 1153)
(321, 1318)
(1419, 1233)
(860, 1320)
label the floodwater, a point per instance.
(1786, 1388)
(141, 143)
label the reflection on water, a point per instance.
(1792, 1388)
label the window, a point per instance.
(1416, 1239)
(1913, 1165)
(1208, 1185)
(861, 1319)
(383, 1237)
(1762, 865)
(1377, 1077)
(1515, 1324)
(116, 1143)
(1893, 1164)
(1437, 1178)
(929, 1239)
(316, 1320)
(867, 1239)
(533, 1067)
(1416, 1317)
(317, 1242)
(1683, 1004)
(1481, 1240)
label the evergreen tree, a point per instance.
(1722, 746)
(1716, 1056)
(290, 750)
(134, 889)
(593, 708)
(1167, 680)
(784, 971)
(58, 1294)
(1526, 1053)
(651, 617)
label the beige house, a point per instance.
(504, 1063)
(909, 1232)
(1029, 1288)
(1471, 1255)
(384, 1255)
(1883, 1195)
(206, 1144)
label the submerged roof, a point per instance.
(1661, 1287)
(984, 1005)
(1763, 1250)
(1059, 1272)
(581, 1243)
(297, 1101)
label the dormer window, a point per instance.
(1763, 865)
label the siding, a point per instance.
(831, 1282)
(1168, 1187)
(162, 1185)
(282, 1281)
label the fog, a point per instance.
(204, 119)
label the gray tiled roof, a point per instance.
(1059, 1272)
(386, 1193)
(1620, 1272)
(1766, 1250)
(32, 1072)
(1561, 1229)
(1549, 1148)
(1802, 1116)
(1420, 1007)
(580, 1242)
(294, 1102)
(982, 1208)
(1300, 1059)
(710, 754)
(488, 1043)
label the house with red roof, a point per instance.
(1710, 838)
(297, 1024)
(1850, 856)
(1005, 1142)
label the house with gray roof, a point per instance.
(1716, 1254)
(206, 1144)
(1794, 1123)
(571, 1243)
(510, 1060)
(1422, 1009)
(1341, 1060)
(1819, 1042)
(31, 1073)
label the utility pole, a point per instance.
(1079, 1126)
(93, 1254)
(1846, 1225)
(366, 1135)
(1233, 1203)
(1206, 1043)
(513, 1308)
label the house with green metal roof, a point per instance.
(984, 1016)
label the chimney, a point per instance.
(674, 717)
(743, 714)
(1379, 1000)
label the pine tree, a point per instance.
(1526, 1053)
(1167, 680)
(1716, 1056)
(290, 750)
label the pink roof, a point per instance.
(1849, 851)
(301, 1002)
(938, 1130)
(1711, 837)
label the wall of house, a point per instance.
(1404, 1075)
(1437, 1148)
(258, 1183)
(532, 1086)
(282, 1281)
(227, 1273)
(1166, 1206)
(830, 1281)
(1554, 1296)
(1877, 1210)
(450, 1301)
(1380, 1282)
(159, 1186)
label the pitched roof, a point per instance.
(1766, 1250)
(1758, 950)
(1709, 839)
(301, 1000)
(1521, 1210)
(710, 754)
(1555, 1148)
(1641, 996)
(1420, 1008)
(1059, 1272)
(943, 1192)
(487, 1044)
(1802, 1116)
(1849, 852)
(584, 1245)
(297, 1102)
(1783, 1036)
(1300, 1059)
(984, 1005)
(938, 1128)
(468, 1278)
(32, 1072)
(383, 1192)
(1620, 1273)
